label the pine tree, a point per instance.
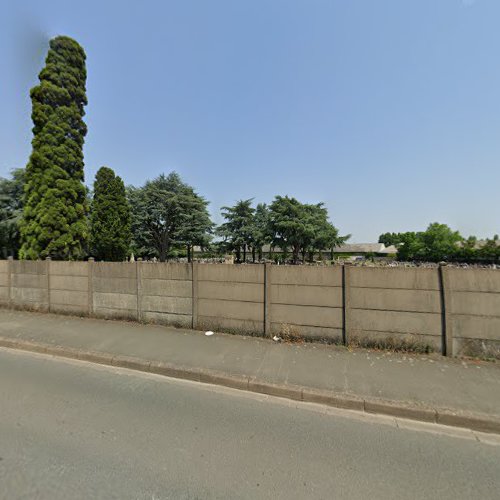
(110, 232)
(54, 215)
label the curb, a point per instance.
(476, 422)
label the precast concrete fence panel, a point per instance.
(450, 310)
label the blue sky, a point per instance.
(386, 110)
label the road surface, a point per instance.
(71, 430)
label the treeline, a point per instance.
(167, 218)
(298, 230)
(440, 243)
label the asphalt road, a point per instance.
(74, 430)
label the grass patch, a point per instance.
(289, 334)
(393, 344)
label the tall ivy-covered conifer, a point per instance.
(110, 232)
(54, 215)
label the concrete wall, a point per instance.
(394, 304)
(306, 301)
(29, 285)
(114, 287)
(69, 287)
(474, 311)
(451, 310)
(4, 282)
(166, 293)
(230, 297)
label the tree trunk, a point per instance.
(189, 253)
(253, 254)
(238, 254)
(244, 252)
(165, 250)
(164, 244)
(163, 254)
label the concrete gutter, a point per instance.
(401, 409)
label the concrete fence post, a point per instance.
(346, 302)
(47, 271)
(90, 286)
(267, 298)
(138, 276)
(194, 295)
(10, 265)
(446, 319)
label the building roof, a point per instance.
(361, 248)
(389, 250)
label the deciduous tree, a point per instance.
(437, 243)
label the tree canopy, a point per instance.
(440, 243)
(395, 239)
(238, 230)
(261, 233)
(168, 214)
(11, 206)
(54, 215)
(437, 243)
(110, 231)
(302, 228)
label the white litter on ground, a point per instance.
(276, 338)
(209, 333)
